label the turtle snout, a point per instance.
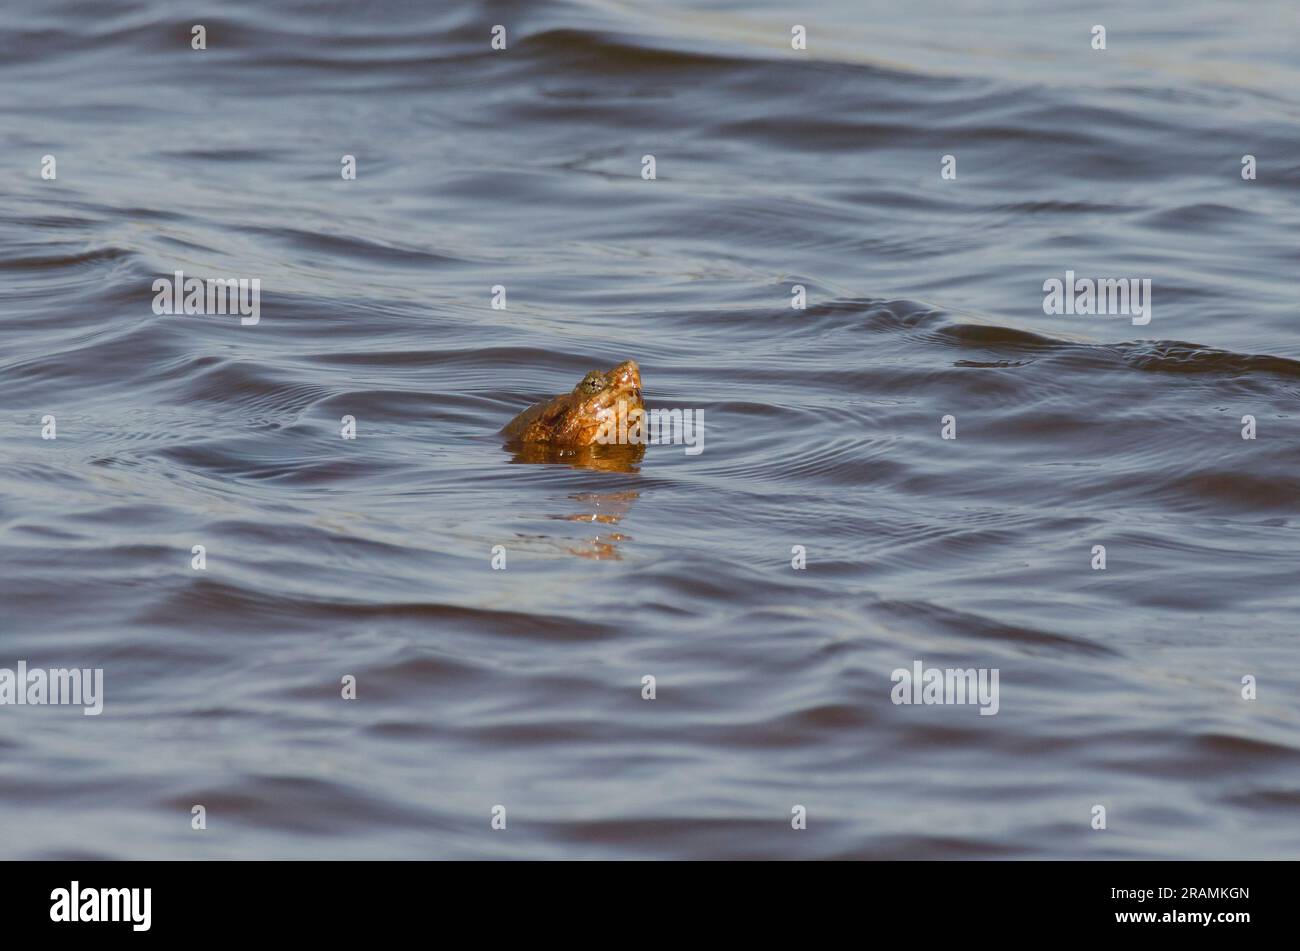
(627, 374)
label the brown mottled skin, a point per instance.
(574, 418)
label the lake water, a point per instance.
(525, 169)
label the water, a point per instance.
(522, 687)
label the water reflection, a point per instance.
(604, 508)
(599, 508)
(623, 458)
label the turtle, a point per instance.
(598, 411)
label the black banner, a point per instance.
(1219, 901)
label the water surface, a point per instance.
(522, 687)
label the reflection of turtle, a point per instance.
(600, 458)
(604, 402)
(607, 508)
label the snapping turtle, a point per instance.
(579, 417)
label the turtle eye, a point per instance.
(594, 383)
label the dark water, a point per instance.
(522, 687)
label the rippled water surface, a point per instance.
(523, 687)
